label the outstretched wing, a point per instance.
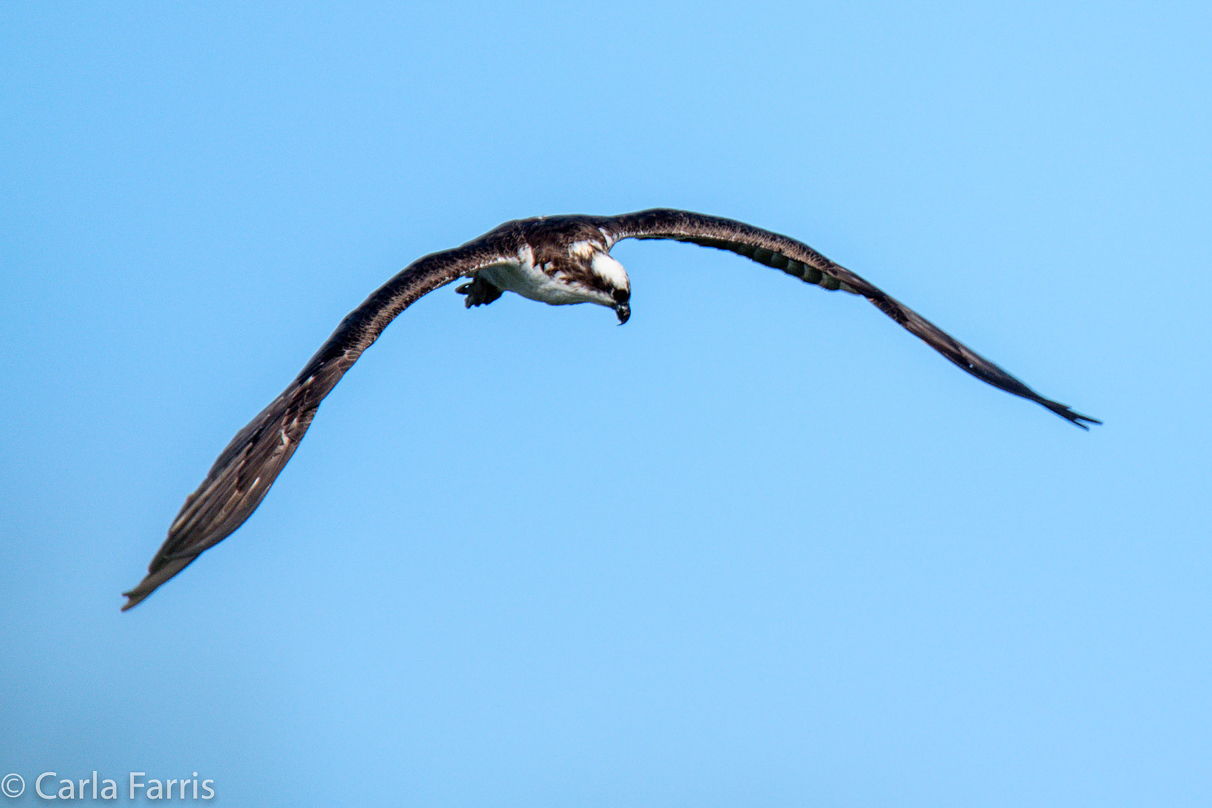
(246, 469)
(798, 259)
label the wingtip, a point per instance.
(1075, 418)
(152, 581)
(139, 594)
(132, 599)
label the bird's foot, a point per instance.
(479, 292)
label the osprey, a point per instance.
(553, 259)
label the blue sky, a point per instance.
(757, 547)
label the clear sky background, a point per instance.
(757, 547)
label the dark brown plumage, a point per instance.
(561, 259)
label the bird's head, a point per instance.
(608, 276)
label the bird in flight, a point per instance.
(552, 259)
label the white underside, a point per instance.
(523, 277)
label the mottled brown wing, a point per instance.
(798, 259)
(246, 469)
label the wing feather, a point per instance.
(245, 470)
(798, 259)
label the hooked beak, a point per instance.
(623, 311)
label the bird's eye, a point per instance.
(622, 295)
